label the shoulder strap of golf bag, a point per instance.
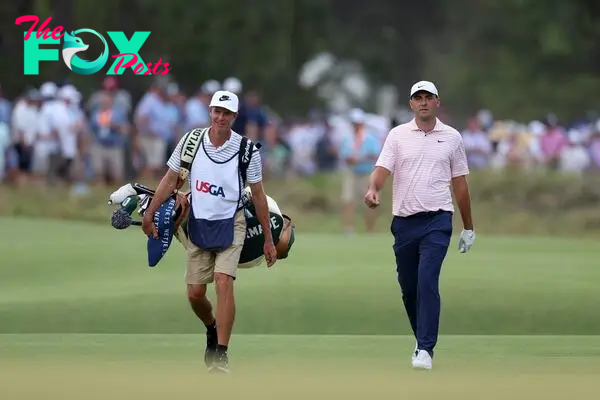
(189, 149)
(245, 155)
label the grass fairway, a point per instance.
(83, 317)
(295, 367)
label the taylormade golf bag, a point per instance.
(172, 217)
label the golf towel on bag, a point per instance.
(164, 221)
(215, 195)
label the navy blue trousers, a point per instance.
(420, 245)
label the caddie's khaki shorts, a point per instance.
(202, 265)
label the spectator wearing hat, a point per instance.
(477, 144)
(358, 152)
(6, 167)
(110, 127)
(252, 120)
(25, 120)
(552, 143)
(69, 126)
(233, 85)
(196, 108)
(154, 129)
(110, 86)
(46, 152)
(8, 162)
(5, 108)
(594, 147)
(176, 115)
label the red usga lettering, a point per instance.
(207, 187)
(203, 187)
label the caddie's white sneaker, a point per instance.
(422, 360)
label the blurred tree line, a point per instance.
(519, 58)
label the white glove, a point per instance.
(467, 237)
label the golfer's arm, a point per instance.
(259, 199)
(463, 199)
(166, 187)
(378, 178)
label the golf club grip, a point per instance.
(136, 223)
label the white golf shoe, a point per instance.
(422, 360)
(415, 351)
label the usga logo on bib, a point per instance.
(128, 56)
(207, 187)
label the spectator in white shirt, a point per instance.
(68, 124)
(25, 120)
(477, 145)
(575, 158)
(46, 148)
(5, 143)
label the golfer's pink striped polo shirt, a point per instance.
(422, 166)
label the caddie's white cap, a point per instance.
(425, 86)
(225, 99)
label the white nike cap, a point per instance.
(225, 99)
(424, 86)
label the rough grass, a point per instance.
(510, 202)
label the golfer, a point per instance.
(216, 224)
(425, 157)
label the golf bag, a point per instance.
(172, 217)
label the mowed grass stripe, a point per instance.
(66, 277)
(298, 345)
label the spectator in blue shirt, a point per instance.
(359, 152)
(154, 129)
(176, 116)
(252, 118)
(109, 126)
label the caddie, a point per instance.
(217, 163)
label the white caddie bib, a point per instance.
(215, 190)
